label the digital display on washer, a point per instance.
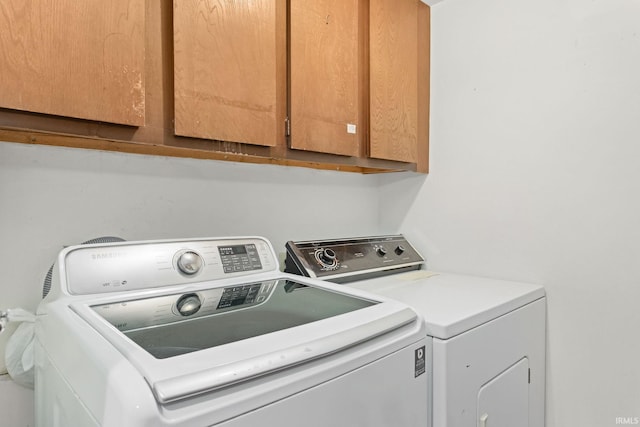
(236, 258)
(226, 315)
(233, 250)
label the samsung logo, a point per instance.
(108, 255)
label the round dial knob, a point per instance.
(188, 304)
(328, 256)
(189, 263)
(399, 250)
(381, 251)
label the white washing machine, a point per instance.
(208, 332)
(487, 336)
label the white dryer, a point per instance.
(488, 336)
(209, 332)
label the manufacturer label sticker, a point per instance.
(420, 361)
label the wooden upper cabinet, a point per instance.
(82, 59)
(230, 70)
(217, 79)
(398, 80)
(327, 108)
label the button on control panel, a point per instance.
(345, 260)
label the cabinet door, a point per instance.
(395, 69)
(82, 59)
(230, 70)
(326, 76)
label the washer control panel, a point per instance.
(109, 267)
(345, 260)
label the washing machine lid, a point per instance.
(451, 303)
(241, 330)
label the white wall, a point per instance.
(535, 175)
(51, 197)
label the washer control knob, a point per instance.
(381, 251)
(188, 304)
(399, 250)
(328, 256)
(190, 263)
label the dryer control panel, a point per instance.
(346, 260)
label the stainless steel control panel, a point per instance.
(345, 260)
(110, 267)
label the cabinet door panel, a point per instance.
(326, 82)
(424, 79)
(82, 59)
(393, 48)
(230, 66)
